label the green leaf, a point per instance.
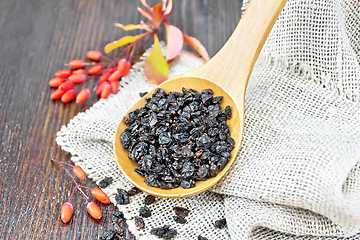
(156, 68)
(123, 41)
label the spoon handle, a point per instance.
(232, 65)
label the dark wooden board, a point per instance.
(37, 37)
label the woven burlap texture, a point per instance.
(297, 174)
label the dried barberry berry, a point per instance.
(149, 199)
(139, 222)
(133, 191)
(122, 197)
(220, 223)
(164, 232)
(117, 216)
(142, 94)
(181, 211)
(179, 219)
(105, 182)
(111, 234)
(145, 212)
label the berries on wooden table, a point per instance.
(77, 63)
(66, 86)
(66, 212)
(79, 71)
(100, 195)
(105, 92)
(79, 172)
(63, 73)
(77, 78)
(114, 86)
(106, 75)
(94, 55)
(68, 96)
(55, 82)
(100, 87)
(124, 66)
(115, 76)
(95, 69)
(94, 210)
(82, 95)
(57, 94)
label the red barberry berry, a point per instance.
(68, 96)
(106, 75)
(94, 55)
(79, 172)
(115, 76)
(123, 66)
(79, 71)
(77, 63)
(105, 92)
(82, 95)
(100, 195)
(58, 93)
(95, 69)
(100, 87)
(63, 73)
(66, 212)
(55, 82)
(94, 210)
(65, 86)
(77, 78)
(114, 86)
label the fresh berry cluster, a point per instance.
(92, 208)
(108, 73)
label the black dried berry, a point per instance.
(122, 197)
(133, 191)
(179, 219)
(228, 112)
(164, 232)
(111, 234)
(142, 94)
(145, 212)
(181, 211)
(170, 234)
(139, 222)
(220, 223)
(105, 182)
(149, 199)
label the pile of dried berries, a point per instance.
(92, 208)
(164, 232)
(120, 231)
(179, 138)
(108, 74)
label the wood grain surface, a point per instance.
(37, 37)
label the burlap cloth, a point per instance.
(297, 175)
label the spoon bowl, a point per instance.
(227, 75)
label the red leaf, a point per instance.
(198, 46)
(155, 67)
(146, 14)
(145, 4)
(168, 9)
(147, 26)
(174, 41)
(158, 14)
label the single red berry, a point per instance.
(114, 86)
(77, 63)
(123, 66)
(106, 75)
(66, 212)
(100, 195)
(68, 96)
(115, 76)
(79, 172)
(63, 73)
(95, 69)
(94, 55)
(65, 86)
(58, 93)
(77, 78)
(82, 95)
(100, 87)
(79, 71)
(94, 210)
(55, 82)
(105, 92)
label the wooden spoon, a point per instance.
(227, 74)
